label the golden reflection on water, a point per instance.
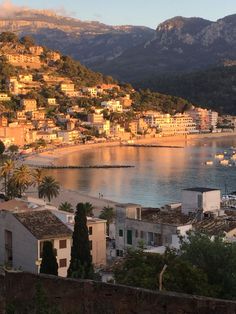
(158, 176)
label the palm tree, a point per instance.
(6, 172)
(49, 188)
(38, 178)
(88, 209)
(108, 214)
(66, 207)
(23, 178)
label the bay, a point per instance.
(158, 176)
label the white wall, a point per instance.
(210, 201)
(24, 245)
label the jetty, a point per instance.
(83, 167)
(152, 145)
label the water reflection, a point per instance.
(158, 176)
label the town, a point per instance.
(49, 101)
(41, 109)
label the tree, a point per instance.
(66, 207)
(108, 214)
(6, 172)
(49, 262)
(203, 266)
(88, 209)
(2, 148)
(13, 149)
(7, 37)
(28, 41)
(37, 178)
(49, 188)
(22, 178)
(81, 260)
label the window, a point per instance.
(141, 234)
(8, 247)
(90, 230)
(119, 253)
(138, 213)
(62, 244)
(91, 245)
(136, 233)
(120, 233)
(62, 262)
(129, 237)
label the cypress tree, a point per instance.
(49, 262)
(81, 260)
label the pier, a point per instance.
(84, 167)
(152, 145)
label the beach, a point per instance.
(49, 158)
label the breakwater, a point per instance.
(84, 167)
(152, 145)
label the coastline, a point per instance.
(50, 157)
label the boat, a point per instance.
(224, 162)
(219, 156)
(209, 163)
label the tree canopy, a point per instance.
(202, 266)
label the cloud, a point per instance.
(9, 9)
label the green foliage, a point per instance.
(66, 207)
(49, 262)
(49, 188)
(81, 260)
(88, 209)
(2, 148)
(108, 214)
(202, 266)
(8, 37)
(27, 41)
(212, 88)
(13, 149)
(146, 100)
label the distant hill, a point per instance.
(214, 88)
(92, 43)
(179, 45)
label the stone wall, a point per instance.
(88, 297)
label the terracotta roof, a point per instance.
(43, 224)
(173, 217)
(216, 226)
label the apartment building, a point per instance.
(112, 105)
(29, 104)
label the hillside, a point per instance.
(214, 88)
(89, 42)
(179, 45)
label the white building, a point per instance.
(112, 105)
(201, 200)
(22, 235)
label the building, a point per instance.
(51, 101)
(25, 78)
(68, 136)
(4, 97)
(112, 105)
(151, 229)
(24, 60)
(95, 118)
(125, 101)
(47, 136)
(203, 118)
(103, 128)
(29, 104)
(36, 50)
(91, 91)
(167, 124)
(69, 90)
(202, 201)
(15, 132)
(22, 234)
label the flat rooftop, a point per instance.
(201, 190)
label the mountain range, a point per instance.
(179, 49)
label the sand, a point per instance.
(50, 157)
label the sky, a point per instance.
(133, 12)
